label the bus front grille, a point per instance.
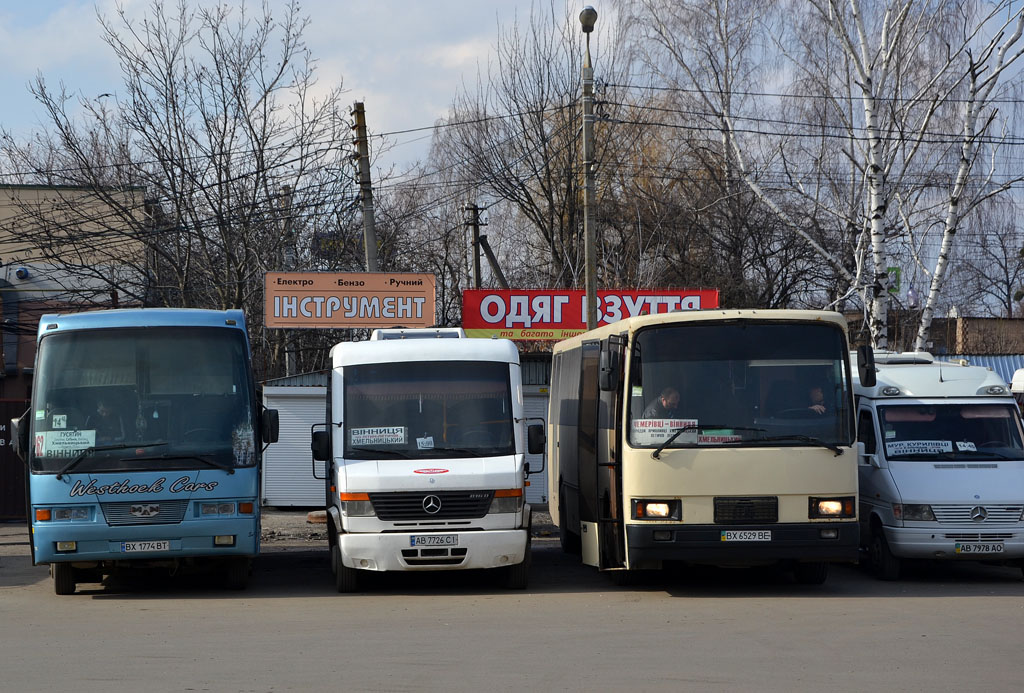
(746, 511)
(163, 512)
(978, 514)
(424, 505)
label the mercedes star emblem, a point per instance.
(978, 513)
(431, 504)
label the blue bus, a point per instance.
(143, 444)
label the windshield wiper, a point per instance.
(804, 439)
(101, 448)
(473, 452)
(166, 456)
(376, 451)
(700, 427)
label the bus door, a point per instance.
(599, 436)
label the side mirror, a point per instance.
(866, 365)
(865, 458)
(321, 446)
(610, 362)
(536, 439)
(270, 425)
(19, 435)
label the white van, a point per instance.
(424, 445)
(942, 467)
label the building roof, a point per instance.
(1004, 364)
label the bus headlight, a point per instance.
(841, 507)
(70, 513)
(506, 500)
(356, 505)
(206, 509)
(913, 512)
(657, 509)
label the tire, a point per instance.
(517, 577)
(884, 565)
(236, 573)
(346, 579)
(815, 573)
(63, 578)
(570, 541)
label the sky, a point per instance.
(405, 59)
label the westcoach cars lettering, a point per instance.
(118, 487)
(182, 485)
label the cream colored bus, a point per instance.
(721, 437)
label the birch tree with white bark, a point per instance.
(881, 132)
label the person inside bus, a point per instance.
(816, 397)
(664, 406)
(106, 422)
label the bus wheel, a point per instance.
(345, 579)
(884, 565)
(569, 540)
(517, 577)
(63, 575)
(811, 573)
(236, 573)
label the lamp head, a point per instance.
(588, 17)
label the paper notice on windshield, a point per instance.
(917, 447)
(379, 435)
(425, 443)
(63, 443)
(657, 431)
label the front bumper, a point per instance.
(941, 542)
(100, 542)
(704, 543)
(394, 551)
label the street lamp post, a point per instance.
(588, 17)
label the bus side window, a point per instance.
(866, 431)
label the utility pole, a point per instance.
(365, 190)
(291, 365)
(475, 223)
(588, 17)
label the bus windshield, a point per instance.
(951, 432)
(413, 410)
(154, 398)
(743, 383)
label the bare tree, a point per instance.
(239, 154)
(885, 93)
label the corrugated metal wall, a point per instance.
(535, 404)
(288, 464)
(1004, 364)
